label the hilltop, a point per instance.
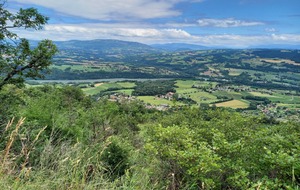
(180, 47)
(107, 46)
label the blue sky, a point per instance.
(226, 23)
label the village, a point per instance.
(258, 99)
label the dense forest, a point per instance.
(152, 88)
(59, 138)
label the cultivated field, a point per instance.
(207, 92)
(233, 104)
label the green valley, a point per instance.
(114, 114)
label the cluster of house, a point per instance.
(231, 88)
(168, 96)
(121, 98)
(267, 109)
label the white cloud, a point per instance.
(291, 38)
(140, 33)
(178, 25)
(243, 41)
(270, 30)
(226, 23)
(112, 9)
(150, 35)
(177, 33)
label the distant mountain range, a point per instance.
(109, 46)
(119, 46)
(180, 47)
(106, 46)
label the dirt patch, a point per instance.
(98, 84)
(211, 73)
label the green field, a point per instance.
(98, 87)
(279, 97)
(234, 72)
(125, 91)
(229, 94)
(195, 90)
(290, 106)
(262, 94)
(184, 88)
(202, 97)
(187, 84)
(88, 66)
(154, 101)
(126, 84)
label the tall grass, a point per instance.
(61, 164)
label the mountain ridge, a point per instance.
(106, 46)
(113, 46)
(180, 47)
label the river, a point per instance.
(94, 80)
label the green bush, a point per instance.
(115, 157)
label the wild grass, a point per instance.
(61, 164)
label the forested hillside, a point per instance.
(58, 138)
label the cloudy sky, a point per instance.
(226, 23)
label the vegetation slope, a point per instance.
(61, 139)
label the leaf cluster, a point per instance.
(18, 60)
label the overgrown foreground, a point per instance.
(57, 138)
